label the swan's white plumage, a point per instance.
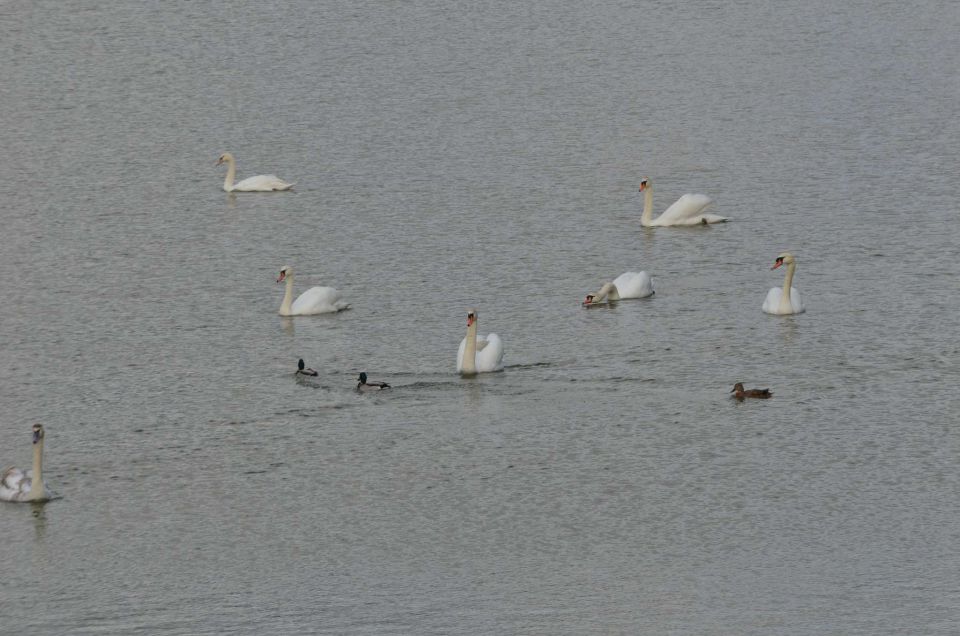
(633, 285)
(771, 304)
(489, 356)
(687, 210)
(259, 183)
(316, 300)
(26, 485)
(15, 484)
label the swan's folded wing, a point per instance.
(685, 208)
(262, 183)
(491, 357)
(795, 301)
(318, 300)
(633, 284)
(11, 478)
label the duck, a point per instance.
(478, 354)
(316, 300)
(626, 285)
(17, 485)
(364, 386)
(302, 369)
(740, 393)
(687, 210)
(259, 183)
(786, 300)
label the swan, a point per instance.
(626, 285)
(316, 300)
(479, 354)
(303, 369)
(786, 300)
(259, 183)
(363, 385)
(740, 393)
(18, 485)
(688, 210)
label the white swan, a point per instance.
(786, 300)
(18, 485)
(479, 354)
(687, 210)
(626, 285)
(259, 183)
(316, 300)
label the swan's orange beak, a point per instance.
(469, 320)
(282, 276)
(643, 186)
(777, 264)
(218, 162)
(588, 300)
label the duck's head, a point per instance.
(363, 377)
(300, 364)
(737, 387)
(786, 258)
(471, 317)
(224, 158)
(644, 184)
(284, 272)
(37, 433)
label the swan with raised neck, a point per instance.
(786, 300)
(687, 210)
(259, 183)
(316, 300)
(17, 486)
(478, 354)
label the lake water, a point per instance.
(457, 155)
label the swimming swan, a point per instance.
(316, 300)
(478, 354)
(687, 210)
(626, 285)
(784, 301)
(259, 183)
(17, 485)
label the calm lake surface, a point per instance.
(457, 155)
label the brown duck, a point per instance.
(740, 393)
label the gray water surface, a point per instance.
(457, 155)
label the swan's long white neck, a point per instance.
(231, 174)
(785, 303)
(468, 365)
(646, 219)
(287, 296)
(36, 487)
